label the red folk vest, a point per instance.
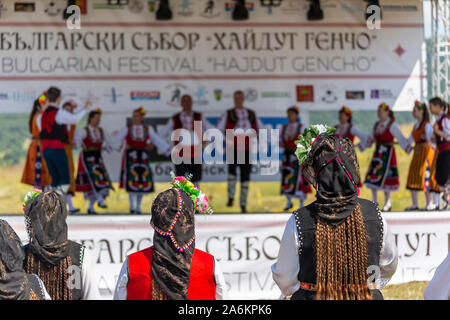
(290, 143)
(137, 144)
(386, 136)
(348, 134)
(53, 135)
(88, 143)
(202, 285)
(441, 144)
(231, 123)
(197, 116)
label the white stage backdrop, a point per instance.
(247, 245)
(122, 58)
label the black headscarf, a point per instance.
(171, 268)
(332, 167)
(14, 284)
(46, 217)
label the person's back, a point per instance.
(330, 247)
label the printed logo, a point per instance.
(2, 8)
(176, 91)
(229, 6)
(24, 6)
(135, 6)
(83, 6)
(210, 10)
(151, 5)
(354, 95)
(24, 96)
(381, 94)
(113, 95)
(251, 94)
(200, 96)
(54, 9)
(275, 94)
(270, 4)
(218, 94)
(145, 95)
(293, 7)
(328, 94)
(111, 4)
(185, 8)
(305, 93)
(409, 8)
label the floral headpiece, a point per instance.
(346, 110)
(295, 109)
(419, 105)
(72, 103)
(306, 140)
(29, 197)
(98, 110)
(200, 200)
(43, 97)
(141, 111)
(384, 106)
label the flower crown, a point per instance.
(346, 110)
(200, 200)
(419, 105)
(43, 97)
(98, 110)
(306, 140)
(29, 197)
(72, 103)
(384, 106)
(141, 111)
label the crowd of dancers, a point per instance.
(50, 164)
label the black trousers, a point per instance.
(245, 168)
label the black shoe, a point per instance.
(288, 207)
(230, 203)
(91, 211)
(243, 209)
(132, 212)
(412, 208)
(74, 211)
(138, 212)
(102, 205)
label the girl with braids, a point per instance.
(383, 172)
(419, 177)
(330, 247)
(35, 172)
(173, 269)
(92, 177)
(58, 261)
(441, 129)
(15, 284)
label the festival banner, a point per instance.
(246, 246)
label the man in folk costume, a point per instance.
(15, 283)
(92, 176)
(419, 175)
(292, 182)
(328, 246)
(186, 119)
(54, 136)
(383, 172)
(35, 172)
(244, 125)
(441, 128)
(136, 174)
(173, 269)
(70, 106)
(51, 255)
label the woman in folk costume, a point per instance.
(35, 172)
(383, 173)
(347, 129)
(441, 128)
(328, 246)
(70, 106)
(15, 283)
(419, 176)
(173, 269)
(292, 182)
(92, 176)
(136, 174)
(65, 267)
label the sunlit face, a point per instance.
(435, 108)
(186, 103)
(417, 113)
(343, 118)
(95, 120)
(238, 99)
(292, 116)
(382, 114)
(137, 118)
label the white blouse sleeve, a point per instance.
(221, 123)
(38, 122)
(159, 142)
(388, 256)
(120, 293)
(65, 117)
(90, 288)
(285, 270)
(355, 131)
(446, 129)
(396, 132)
(168, 127)
(439, 286)
(79, 137)
(221, 291)
(429, 133)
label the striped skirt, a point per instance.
(419, 176)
